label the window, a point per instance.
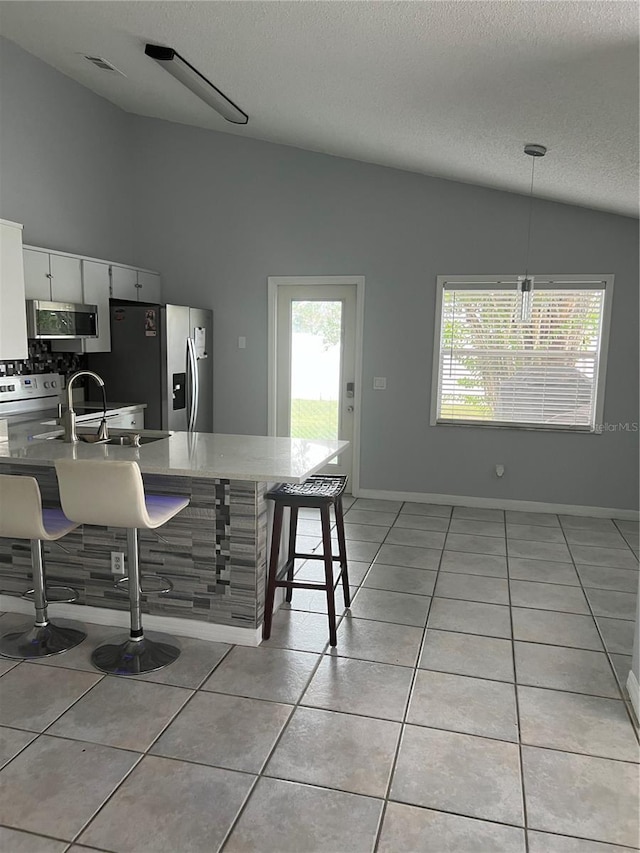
(492, 369)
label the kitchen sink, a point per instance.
(120, 440)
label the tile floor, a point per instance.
(475, 704)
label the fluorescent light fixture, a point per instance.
(190, 77)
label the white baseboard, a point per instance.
(498, 503)
(633, 688)
(120, 619)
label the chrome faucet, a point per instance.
(68, 419)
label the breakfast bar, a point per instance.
(214, 552)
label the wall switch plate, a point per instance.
(379, 383)
(117, 562)
(242, 342)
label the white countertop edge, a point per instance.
(196, 455)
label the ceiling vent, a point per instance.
(102, 64)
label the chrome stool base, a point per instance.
(124, 656)
(40, 642)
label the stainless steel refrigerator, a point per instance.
(161, 355)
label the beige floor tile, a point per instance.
(55, 785)
(459, 773)
(472, 588)
(61, 687)
(407, 829)
(468, 654)
(167, 805)
(383, 642)
(334, 750)
(263, 673)
(576, 723)
(460, 704)
(573, 670)
(271, 821)
(122, 712)
(470, 617)
(385, 606)
(16, 841)
(545, 626)
(401, 579)
(226, 731)
(360, 687)
(579, 795)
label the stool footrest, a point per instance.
(334, 557)
(55, 594)
(163, 585)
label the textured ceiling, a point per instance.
(452, 89)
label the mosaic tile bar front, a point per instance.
(214, 552)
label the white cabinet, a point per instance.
(66, 279)
(148, 286)
(13, 317)
(95, 291)
(37, 275)
(52, 277)
(134, 284)
(124, 283)
(61, 277)
(133, 419)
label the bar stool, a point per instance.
(321, 493)
(110, 493)
(23, 517)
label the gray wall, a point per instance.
(217, 214)
(64, 160)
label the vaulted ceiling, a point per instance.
(452, 89)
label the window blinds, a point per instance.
(495, 369)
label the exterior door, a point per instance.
(316, 365)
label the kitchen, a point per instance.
(216, 214)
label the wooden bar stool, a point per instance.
(111, 494)
(23, 517)
(321, 493)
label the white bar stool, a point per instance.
(23, 517)
(110, 493)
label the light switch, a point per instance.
(242, 342)
(379, 383)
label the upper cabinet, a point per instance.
(37, 275)
(51, 277)
(124, 283)
(13, 317)
(149, 286)
(95, 291)
(61, 277)
(134, 284)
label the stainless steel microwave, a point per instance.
(59, 320)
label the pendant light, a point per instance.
(525, 281)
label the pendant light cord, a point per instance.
(526, 264)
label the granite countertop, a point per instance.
(207, 455)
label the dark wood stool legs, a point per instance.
(292, 497)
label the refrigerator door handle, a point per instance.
(189, 386)
(192, 391)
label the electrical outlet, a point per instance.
(117, 562)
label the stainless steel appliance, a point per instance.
(61, 320)
(30, 397)
(161, 355)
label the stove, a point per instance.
(30, 396)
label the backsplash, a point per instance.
(42, 360)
